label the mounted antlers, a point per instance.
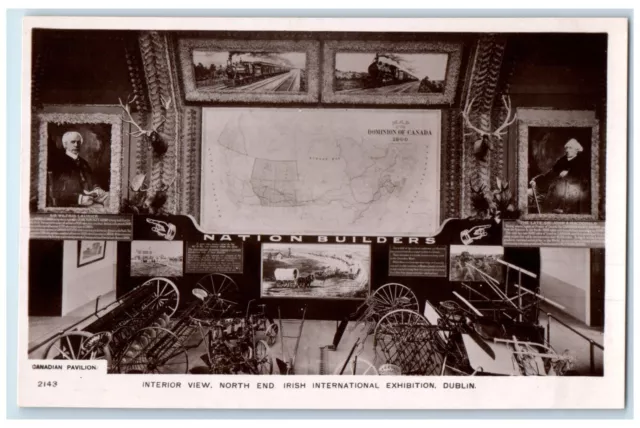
(151, 135)
(484, 144)
(498, 133)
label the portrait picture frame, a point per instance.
(452, 71)
(569, 125)
(82, 123)
(258, 49)
(91, 252)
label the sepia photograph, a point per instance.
(390, 73)
(560, 150)
(475, 263)
(295, 199)
(381, 72)
(156, 258)
(79, 163)
(315, 271)
(90, 251)
(249, 70)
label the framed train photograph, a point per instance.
(250, 70)
(558, 164)
(358, 72)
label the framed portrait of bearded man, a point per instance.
(558, 173)
(79, 162)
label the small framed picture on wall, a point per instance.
(91, 252)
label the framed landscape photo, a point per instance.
(558, 165)
(79, 162)
(420, 73)
(91, 252)
(250, 70)
(316, 271)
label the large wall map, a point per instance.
(320, 171)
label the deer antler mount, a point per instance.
(484, 144)
(151, 136)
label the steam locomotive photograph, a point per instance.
(390, 73)
(315, 271)
(262, 72)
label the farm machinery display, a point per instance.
(152, 328)
(496, 334)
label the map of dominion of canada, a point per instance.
(312, 171)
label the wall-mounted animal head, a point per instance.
(144, 201)
(150, 136)
(484, 144)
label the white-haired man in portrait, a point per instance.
(564, 189)
(73, 182)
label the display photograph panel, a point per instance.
(316, 271)
(390, 73)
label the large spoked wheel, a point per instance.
(393, 296)
(154, 350)
(388, 298)
(264, 362)
(223, 294)
(359, 367)
(80, 345)
(406, 339)
(165, 295)
(272, 334)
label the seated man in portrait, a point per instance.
(73, 184)
(564, 189)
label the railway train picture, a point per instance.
(245, 72)
(390, 73)
(231, 71)
(383, 71)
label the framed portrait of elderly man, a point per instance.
(79, 162)
(558, 172)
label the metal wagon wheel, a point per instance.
(362, 368)
(263, 359)
(223, 294)
(389, 297)
(154, 350)
(80, 345)
(406, 339)
(165, 295)
(394, 296)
